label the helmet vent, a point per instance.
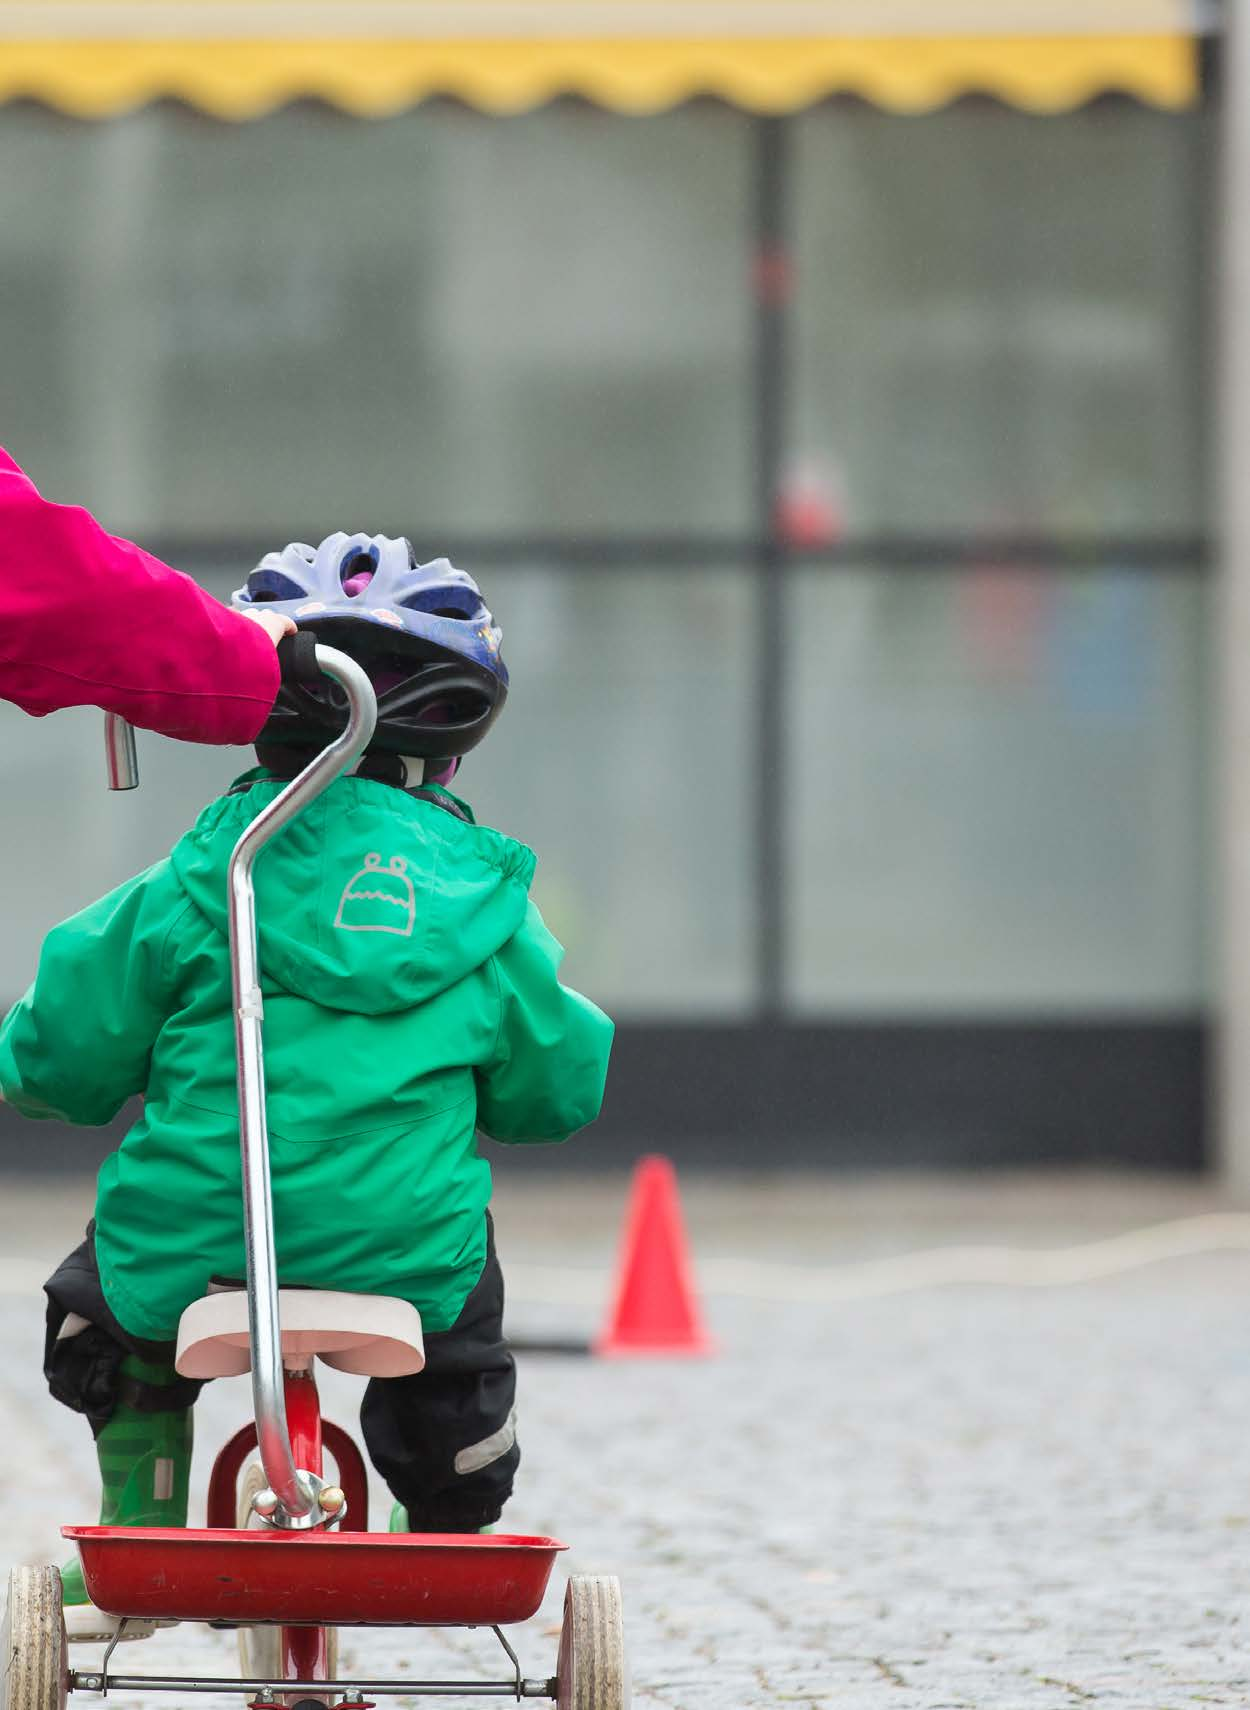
(357, 572)
(264, 585)
(438, 602)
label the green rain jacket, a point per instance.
(411, 994)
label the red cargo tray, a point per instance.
(341, 1579)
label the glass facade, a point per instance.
(619, 759)
(1003, 801)
(998, 319)
(540, 343)
(435, 322)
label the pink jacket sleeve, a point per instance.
(90, 620)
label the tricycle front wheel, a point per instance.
(591, 1673)
(33, 1647)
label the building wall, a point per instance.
(840, 485)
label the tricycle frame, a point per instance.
(289, 1435)
(353, 1695)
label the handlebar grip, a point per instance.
(119, 753)
(297, 659)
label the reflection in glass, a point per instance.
(436, 322)
(999, 801)
(623, 758)
(997, 320)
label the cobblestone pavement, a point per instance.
(962, 1496)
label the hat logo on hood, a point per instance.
(378, 899)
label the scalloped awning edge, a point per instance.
(372, 77)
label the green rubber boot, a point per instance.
(145, 1468)
(399, 1520)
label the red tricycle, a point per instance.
(286, 1556)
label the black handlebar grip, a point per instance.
(297, 659)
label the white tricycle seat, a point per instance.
(373, 1335)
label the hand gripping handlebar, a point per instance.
(297, 662)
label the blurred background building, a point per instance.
(823, 394)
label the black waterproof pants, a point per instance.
(444, 1440)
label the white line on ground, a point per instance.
(866, 1279)
(938, 1267)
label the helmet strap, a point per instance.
(404, 771)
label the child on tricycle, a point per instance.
(411, 996)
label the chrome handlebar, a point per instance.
(296, 1491)
(120, 759)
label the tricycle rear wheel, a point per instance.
(591, 1673)
(33, 1646)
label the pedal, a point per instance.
(85, 1624)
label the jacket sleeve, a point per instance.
(90, 620)
(545, 1076)
(78, 1045)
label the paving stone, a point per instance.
(969, 1496)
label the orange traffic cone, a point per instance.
(654, 1309)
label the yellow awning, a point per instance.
(240, 58)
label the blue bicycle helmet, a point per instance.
(421, 631)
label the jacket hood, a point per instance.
(371, 901)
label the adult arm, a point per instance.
(87, 619)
